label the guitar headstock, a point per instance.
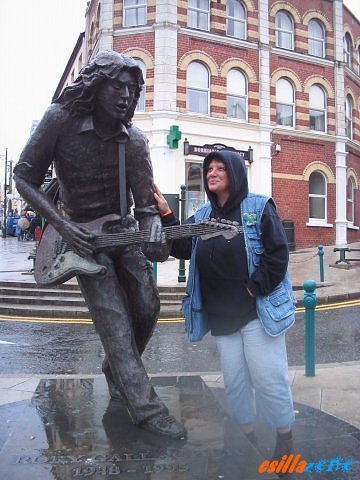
(225, 228)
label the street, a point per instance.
(58, 348)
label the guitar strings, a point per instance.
(171, 234)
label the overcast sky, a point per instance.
(38, 36)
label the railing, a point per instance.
(309, 302)
(343, 259)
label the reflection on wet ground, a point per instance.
(70, 429)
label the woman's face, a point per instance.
(217, 178)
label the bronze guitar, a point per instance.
(56, 262)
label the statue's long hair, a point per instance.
(79, 97)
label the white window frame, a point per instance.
(323, 110)
(236, 95)
(199, 11)
(140, 5)
(287, 104)
(194, 88)
(351, 200)
(283, 30)
(316, 39)
(315, 220)
(348, 50)
(236, 20)
(349, 118)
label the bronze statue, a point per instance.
(102, 161)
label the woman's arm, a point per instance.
(274, 260)
(182, 247)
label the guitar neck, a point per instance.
(171, 233)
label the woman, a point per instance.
(236, 277)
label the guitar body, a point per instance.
(54, 264)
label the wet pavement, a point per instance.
(60, 348)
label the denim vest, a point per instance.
(276, 311)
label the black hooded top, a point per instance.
(222, 264)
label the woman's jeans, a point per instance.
(255, 370)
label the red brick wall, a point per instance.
(291, 195)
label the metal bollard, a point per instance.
(154, 266)
(321, 260)
(182, 276)
(309, 302)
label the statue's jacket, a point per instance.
(87, 163)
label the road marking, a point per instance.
(3, 342)
(85, 321)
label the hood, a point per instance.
(236, 170)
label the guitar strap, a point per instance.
(122, 180)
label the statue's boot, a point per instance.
(164, 424)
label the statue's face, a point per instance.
(114, 97)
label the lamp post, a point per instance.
(182, 199)
(5, 198)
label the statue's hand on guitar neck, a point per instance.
(79, 237)
(156, 248)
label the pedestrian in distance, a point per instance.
(102, 161)
(245, 294)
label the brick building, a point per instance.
(280, 76)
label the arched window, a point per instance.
(140, 107)
(317, 104)
(199, 14)
(236, 95)
(284, 30)
(317, 197)
(235, 19)
(316, 38)
(349, 117)
(285, 103)
(351, 200)
(197, 90)
(348, 50)
(134, 13)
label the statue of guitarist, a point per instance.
(101, 162)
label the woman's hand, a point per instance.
(162, 204)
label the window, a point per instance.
(348, 117)
(140, 107)
(316, 39)
(285, 105)
(197, 90)
(134, 13)
(284, 30)
(236, 95)
(195, 192)
(198, 14)
(348, 50)
(235, 19)
(317, 103)
(317, 197)
(351, 200)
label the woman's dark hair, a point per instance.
(79, 96)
